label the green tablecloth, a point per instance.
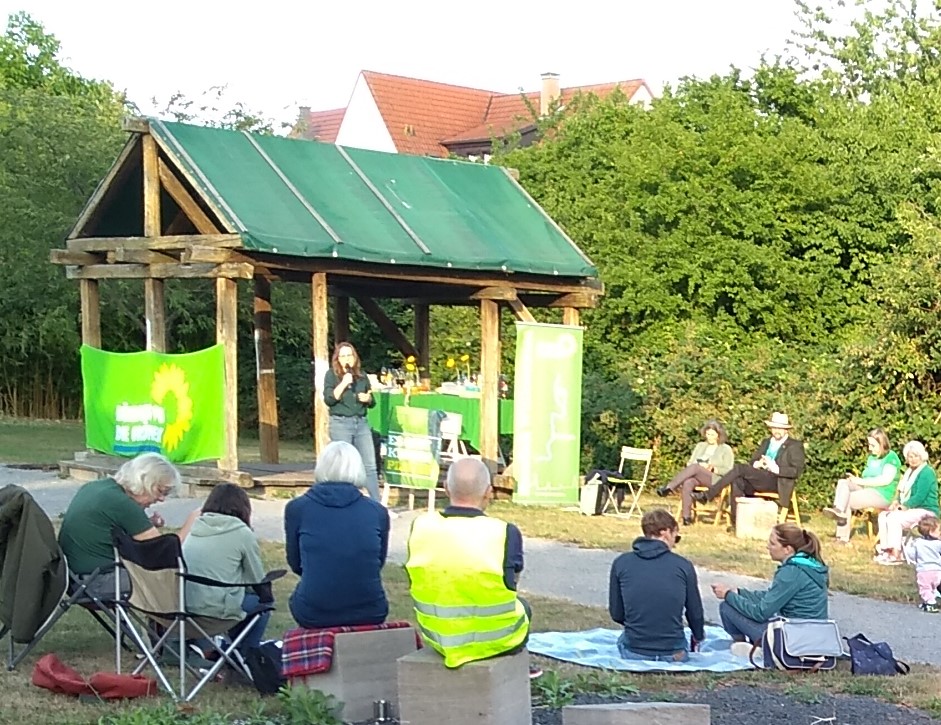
(469, 408)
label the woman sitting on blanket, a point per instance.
(798, 590)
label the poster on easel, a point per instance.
(547, 417)
(413, 448)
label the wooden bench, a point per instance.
(637, 713)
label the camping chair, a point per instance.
(158, 577)
(61, 585)
(630, 481)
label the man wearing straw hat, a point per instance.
(774, 467)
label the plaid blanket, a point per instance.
(310, 651)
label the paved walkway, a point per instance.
(560, 570)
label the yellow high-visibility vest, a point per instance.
(464, 609)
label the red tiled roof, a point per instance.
(321, 125)
(419, 114)
(424, 117)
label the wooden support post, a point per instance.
(387, 326)
(154, 305)
(321, 355)
(91, 312)
(489, 382)
(570, 316)
(227, 336)
(265, 375)
(341, 320)
(423, 343)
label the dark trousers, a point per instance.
(745, 480)
(691, 477)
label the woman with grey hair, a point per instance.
(915, 498)
(119, 501)
(336, 541)
(711, 459)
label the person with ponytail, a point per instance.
(799, 588)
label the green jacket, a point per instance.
(33, 575)
(798, 590)
(924, 491)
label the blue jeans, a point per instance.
(356, 431)
(257, 631)
(680, 654)
(739, 626)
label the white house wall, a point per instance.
(362, 126)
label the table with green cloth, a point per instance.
(469, 408)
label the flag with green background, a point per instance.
(147, 401)
(547, 389)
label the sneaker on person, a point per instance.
(837, 516)
(886, 560)
(534, 672)
(931, 608)
(741, 649)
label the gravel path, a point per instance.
(557, 570)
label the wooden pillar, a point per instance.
(570, 316)
(423, 343)
(341, 320)
(489, 381)
(154, 304)
(227, 336)
(265, 375)
(91, 312)
(321, 355)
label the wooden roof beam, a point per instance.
(140, 256)
(174, 187)
(67, 256)
(179, 241)
(160, 271)
(216, 255)
(520, 310)
(387, 326)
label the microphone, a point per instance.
(349, 369)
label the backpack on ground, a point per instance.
(873, 658)
(264, 664)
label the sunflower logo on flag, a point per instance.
(171, 380)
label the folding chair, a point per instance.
(451, 443)
(627, 482)
(158, 577)
(61, 588)
(783, 511)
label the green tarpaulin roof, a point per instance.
(309, 199)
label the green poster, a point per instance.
(413, 447)
(147, 401)
(548, 407)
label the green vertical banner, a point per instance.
(147, 401)
(413, 447)
(547, 391)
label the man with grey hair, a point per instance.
(99, 506)
(464, 567)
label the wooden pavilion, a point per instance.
(184, 202)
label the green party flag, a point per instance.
(147, 401)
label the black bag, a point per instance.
(873, 658)
(264, 664)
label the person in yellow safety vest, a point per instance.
(464, 567)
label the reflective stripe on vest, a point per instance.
(464, 609)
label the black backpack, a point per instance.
(264, 664)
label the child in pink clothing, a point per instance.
(925, 553)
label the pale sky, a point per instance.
(278, 55)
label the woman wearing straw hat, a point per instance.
(775, 467)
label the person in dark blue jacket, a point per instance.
(649, 590)
(336, 541)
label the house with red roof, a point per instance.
(425, 118)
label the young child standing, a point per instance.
(925, 553)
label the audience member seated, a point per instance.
(464, 567)
(222, 546)
(99, 506)
(875, 489)
(650, 587)
(711, 459)
(336, 540)
(774, 467)
(916, 497)
(798, 590)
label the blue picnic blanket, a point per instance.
(599, 648)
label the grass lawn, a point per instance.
(81, 644)
(46, 442)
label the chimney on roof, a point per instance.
(550, 92)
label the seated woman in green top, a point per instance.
(875, 489)
(916, 497)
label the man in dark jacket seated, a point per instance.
(774, 468)
(650, 587)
